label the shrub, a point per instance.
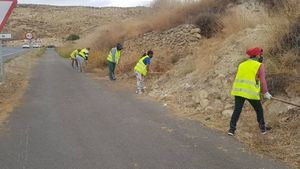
(209, 24)
(289, 41)
(275, 5)
(73, 37)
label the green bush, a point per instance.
(72, 37)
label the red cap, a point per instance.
(254, 51)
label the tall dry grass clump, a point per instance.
(284, 54)
(275, 5)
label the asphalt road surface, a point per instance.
(6, 53)
(69, 121)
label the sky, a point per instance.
(95, 3)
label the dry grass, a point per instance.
(65, 51)
(17, 76)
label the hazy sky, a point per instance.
(96, 3)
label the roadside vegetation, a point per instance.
(17, 74)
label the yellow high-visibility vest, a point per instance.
(74, 54)
(141, 67)
(83, 53)
(117, 56)
(246, 85)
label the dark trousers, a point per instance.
(239, 103)
(111, 70)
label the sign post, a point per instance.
(6, 8)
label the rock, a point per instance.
(198, 36)
(209, 109)
(277, 108)
(218, 105)
(196, 99)
(228, 106)
(203, 94)
(195, 30)
(227, 113)
(187, 86)
(204, 103)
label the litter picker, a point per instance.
(283, 101)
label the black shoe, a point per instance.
(264, 130)
(231, 132)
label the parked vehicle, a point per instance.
(36, 45)
(51, 46)
(26, 46)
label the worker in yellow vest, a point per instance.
(141, 69)
(73, 57)
(82, 57)
(249, 83)
(113, 59)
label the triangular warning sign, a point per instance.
(6, 8)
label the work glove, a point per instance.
(267, 96)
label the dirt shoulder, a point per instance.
(16, 81)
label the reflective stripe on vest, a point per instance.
(117, 56)
(245, 84)
(141, 67)
(74, 54)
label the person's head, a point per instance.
(150, 53)
(78, 50)
(119, 46)
(256, 52)
(88, 48)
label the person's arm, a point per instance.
(261, 74)
(148, 63)
(113, 53)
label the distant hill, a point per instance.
(58, 22)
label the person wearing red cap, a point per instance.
(250, 81)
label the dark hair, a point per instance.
(150, 52)
(119, 46)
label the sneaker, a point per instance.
(231, 132)
(265, 130)
(138, 92)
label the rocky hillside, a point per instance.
(170, 46)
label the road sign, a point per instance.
(28, 36)
(6, 8)
(5, 36)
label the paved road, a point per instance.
(6, 53)
(69, 121)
